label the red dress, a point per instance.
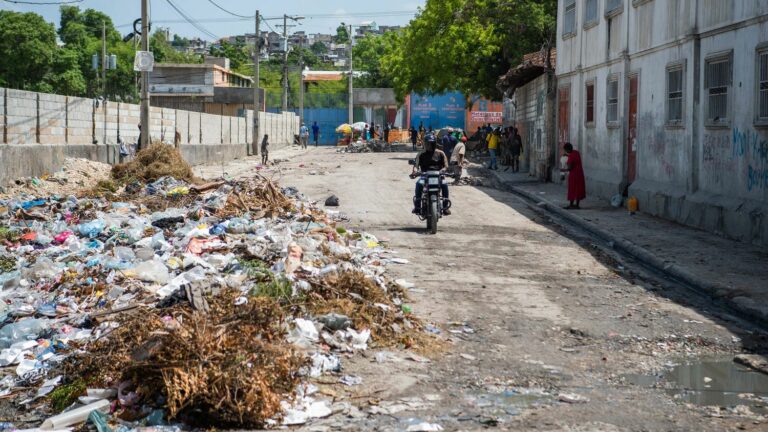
(577, 187)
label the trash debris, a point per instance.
(164, 300)
(332, 201)
(425, 427)
(351, 380)
(152, 163)
(571, 398)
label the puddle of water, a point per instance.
(711, 383)
(509, 402)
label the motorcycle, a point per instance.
(432, 203)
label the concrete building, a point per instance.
(668, 101)
(530, 90)
(210, 87)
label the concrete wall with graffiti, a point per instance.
(707, 166)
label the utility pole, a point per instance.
(256, 90)
(104, 76)
(285, 62)
(301, 88)
(351, 83)
(145, 129)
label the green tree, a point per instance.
(342, 34)
(319, 48)
(65, 77)
(368, 53)
(164, 51)
(238, 54)
(466, 45)
(28, 44)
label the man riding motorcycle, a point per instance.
(429, 159)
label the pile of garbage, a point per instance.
(175, 303)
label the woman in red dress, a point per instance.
(577, 188)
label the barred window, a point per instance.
(762, 91)
(718, 78)
(613, 100)
(590, 12)
(569, 17)
(612, 5)
(590, 108)
(675, 94)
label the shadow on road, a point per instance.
(751, 340)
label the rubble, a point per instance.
(208, 305)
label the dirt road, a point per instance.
(544, 328)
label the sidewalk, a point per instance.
(731, 271)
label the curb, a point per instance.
(674, 271)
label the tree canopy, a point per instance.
(28, 44)
(467, 45)
(367, 55)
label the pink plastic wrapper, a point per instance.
(62, 237)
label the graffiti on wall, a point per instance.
(724, 153)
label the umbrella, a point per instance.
(345, 129)
(359, 126)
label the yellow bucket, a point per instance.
(632, 204)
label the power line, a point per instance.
(43, 3)
(229, 12)
(194, 23)
(308, 16)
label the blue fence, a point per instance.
(328, 119)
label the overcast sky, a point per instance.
(322, 16)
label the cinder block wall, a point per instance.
(39, 131)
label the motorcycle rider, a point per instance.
(429, 159)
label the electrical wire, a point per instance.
(308, 16)
(192, 21)
(231, 13)
(43, 3)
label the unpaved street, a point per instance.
(541, 325)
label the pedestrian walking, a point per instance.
(304, 135)
(265, 150)
(367, 133)
(457, 160)
(515, 150)
(577, 187)
(378, 132)
(414, 136)
(386, 132)
(315, 132)
(493, 145)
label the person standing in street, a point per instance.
(457, 160)
(577, 188)
(265, 150)
(493, 145)
(386, 132)
(303, 135)
(315, 132)
(515, 150)
(414, 136)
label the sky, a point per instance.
(322, 16)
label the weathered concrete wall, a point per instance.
(709, 176)
(531, 119)
(38, 131)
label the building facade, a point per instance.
(668, 102)
(210, 87)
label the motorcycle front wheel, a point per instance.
(433, 216)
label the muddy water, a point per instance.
(714, 382)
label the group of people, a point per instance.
(304, 134)
(375, 131)
(504, 143)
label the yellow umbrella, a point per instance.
(345, 129)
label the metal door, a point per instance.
(563, 120)
(632, 136)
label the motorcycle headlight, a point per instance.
(434, 181)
